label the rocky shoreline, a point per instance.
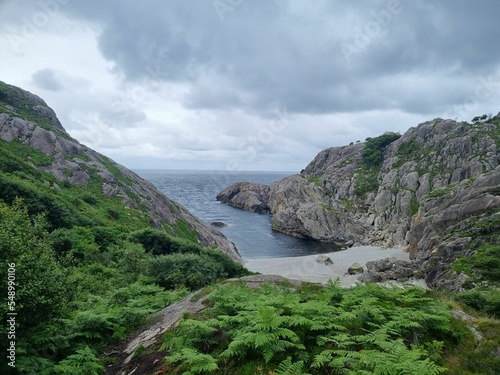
(377, 265)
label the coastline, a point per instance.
(306, 268)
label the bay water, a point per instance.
(251, 232)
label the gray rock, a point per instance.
(324, 259)
(250, 196)
(355, 269)
(381, 265)
(218, 224)
(373, 277)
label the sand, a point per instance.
(306, 268)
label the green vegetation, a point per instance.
(366, 177)
(414, 206)
(316, 330)
(84, 288)
(183, 230)
(89, 269)
(483, 265)
(366, 180)
(373, 153)
(315, 180)
(408, 148)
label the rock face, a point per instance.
(249, 196)
(426, 190)
(74, 163)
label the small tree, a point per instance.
(39, 283)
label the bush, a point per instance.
(374, 147)
(40, 286)
(485, 301)
(190, 270)
(158, 242)
(77, 243)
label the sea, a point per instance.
(251, 232)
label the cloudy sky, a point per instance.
(249, 84)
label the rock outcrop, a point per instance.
(250, 196)
(433, 189)
(25, 118)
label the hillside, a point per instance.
(435, 189)
(88, 249)
(76, 185)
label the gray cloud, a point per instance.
(291, 52)
(46, 79)
(184, 81)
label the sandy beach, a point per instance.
(306, 268)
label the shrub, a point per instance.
(159, 242)
(41, 291)
(374, 147)
(487, 301)
(190, 270)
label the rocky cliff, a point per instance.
(29, 127)
(435, 189)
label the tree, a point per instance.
(37, 279)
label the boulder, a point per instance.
(381, 265)
(250, 196)
(324, 259)
(355, 269)
(218, 224)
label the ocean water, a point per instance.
(251, 232)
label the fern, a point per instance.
(83, 362)
(287, 367)
(362, 330)
(194, 361)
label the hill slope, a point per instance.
(54, 173)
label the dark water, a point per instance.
(251, 232)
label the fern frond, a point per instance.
(287, 367)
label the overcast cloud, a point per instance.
(249, 84)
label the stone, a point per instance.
(250, 196)
(355, 269)
(218, 224)
(381, 265)
(324, 259)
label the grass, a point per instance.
(315, 180)
(182, 229)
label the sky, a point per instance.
(249, 84)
